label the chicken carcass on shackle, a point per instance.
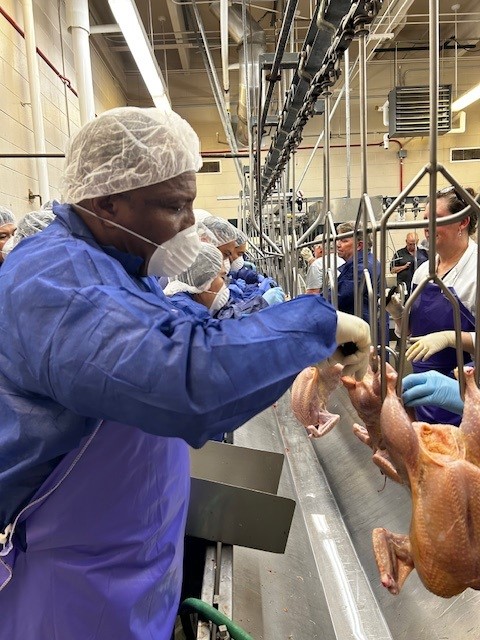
(310, 392)
(440, 465)
(366, 399)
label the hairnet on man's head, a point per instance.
(128, 148)
(6, 216)
(32, 223)
(223, 231)
(241, 238)
(206, 267)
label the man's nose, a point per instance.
(188, 218)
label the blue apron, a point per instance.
(100, 558)
(432, 312)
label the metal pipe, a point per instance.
(216, 89)
(35, 99)
(224, 51)
(347, 122)
(281, 44)
(79, 26)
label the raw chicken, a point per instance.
(310, 392)
(366, 398)
(440, 465)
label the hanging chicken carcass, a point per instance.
(440, 465)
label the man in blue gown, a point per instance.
(103, 382)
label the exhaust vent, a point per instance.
(467, 154)
(409, 111)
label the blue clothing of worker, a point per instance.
(102, 383)
(432, 312)
(240, 308)
(346, 284)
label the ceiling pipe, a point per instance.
(35, 99)
(78, 24)
(224, 51)
(249, 63)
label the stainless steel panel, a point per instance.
(239, 516)
(239, 466)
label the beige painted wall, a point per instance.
(218, 193)
(60, 106)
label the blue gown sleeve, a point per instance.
(117, 353)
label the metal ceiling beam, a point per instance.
(178, 26)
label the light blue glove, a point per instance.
(249, 265)
(274, 296)
(432, 388)
(266, 284)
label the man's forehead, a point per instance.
(184, 183)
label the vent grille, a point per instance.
(465, 155)
(211, 166)
(409, 111)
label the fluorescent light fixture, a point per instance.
(467, 99)
(130, 22)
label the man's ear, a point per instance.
(106, 208)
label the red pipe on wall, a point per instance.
(19, 30)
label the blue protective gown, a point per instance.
(84, 339)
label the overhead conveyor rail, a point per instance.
(331, 31)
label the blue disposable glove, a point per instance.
(241, 283)
(274, 296)
(249, 265)
(432, 388)
(267, 284)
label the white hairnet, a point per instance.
(32, 223)
(6, 216)
(222, 229)
(205, 234)
(201, 214)
(240, 239)
(128, 148)
(206, 267)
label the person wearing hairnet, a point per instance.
(103, 382)
(202, 285)
(225, 235)
(31, 223)
(7, 229)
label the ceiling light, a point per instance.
(467, 99)
(130, 22)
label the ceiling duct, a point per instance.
(253, 41)
(409, 111)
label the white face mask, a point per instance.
(7, 247)
(237, 264)
(171, 258)
(220, 299)
(226, 264)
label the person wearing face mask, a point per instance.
(29, 225)
(202, 286)
(239, 251)
(7, 229)
(104, 382)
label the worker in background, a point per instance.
(103, 382)
(225, 235)
(240, 250)
(7, 228)
(202, 286)
(405, 261)
(29, 225)
(314, 281)
(431, 316)
(346, 248)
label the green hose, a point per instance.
(210, 613)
